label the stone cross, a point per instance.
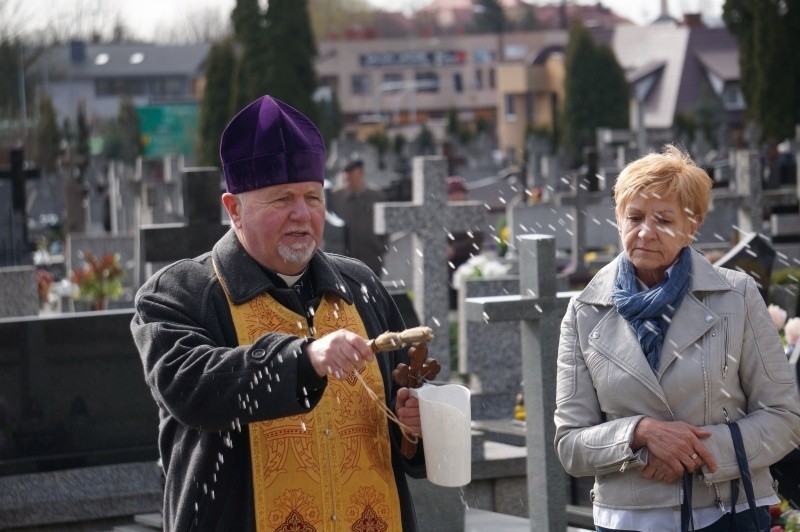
(579, 200)
(203, 227)
(540, 310)
(430, 218)
(748, 189)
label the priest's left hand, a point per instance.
(407, 410)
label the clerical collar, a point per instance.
(290, 280)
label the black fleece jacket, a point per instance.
(200, 376)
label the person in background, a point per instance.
(270, 399)
(461, 245)
(354, 202)
(657, 354)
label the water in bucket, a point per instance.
(446, 433)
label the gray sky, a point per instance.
(147, 16)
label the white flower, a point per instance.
(792, 331)
(778, 316)
(479, 266)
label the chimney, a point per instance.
(693, 20)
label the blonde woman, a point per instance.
(657, 354)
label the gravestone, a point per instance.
(18, 292)
(584, 193)
(748, 187)
(489, 352)
(556, 219)
(753, 255)
(431, 218)
(165, 243)
(80, 426)
(14, 246)
(540, 310)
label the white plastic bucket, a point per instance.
(446, 433)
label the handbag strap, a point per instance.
(686, 504)
(746, 479)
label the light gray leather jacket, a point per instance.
(605, 386)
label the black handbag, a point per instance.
(746, 481)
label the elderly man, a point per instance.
(270, 399)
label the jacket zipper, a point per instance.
(718, 498)
(726, 345)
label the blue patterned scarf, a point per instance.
(650, 311)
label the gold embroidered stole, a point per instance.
(331, 468)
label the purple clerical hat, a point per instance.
(270, 143)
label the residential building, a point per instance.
(97, 75)
(397, 82)
(675, 72)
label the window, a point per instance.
(478, 79)
(510, 109)
(491, 78)
(361, 84)
(392, 82)
(427, 82)
(458, 84)
(732, 98)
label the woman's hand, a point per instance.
(658, 469)
(407, 409)
(675, 443)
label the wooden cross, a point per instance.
(414, 375)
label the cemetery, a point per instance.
(78, 426)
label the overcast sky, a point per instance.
(146, 16)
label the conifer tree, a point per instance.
(48, 138)
(768, 34)
(291, 47)
(596, 93)
(252, 63)
(214, 107)
(82, 148)
(330, 117)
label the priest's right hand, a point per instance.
(339, 353)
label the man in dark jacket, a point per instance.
(354, 202)
(257, 357)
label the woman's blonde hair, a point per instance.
(669, 174)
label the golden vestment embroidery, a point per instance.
(331, 468)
